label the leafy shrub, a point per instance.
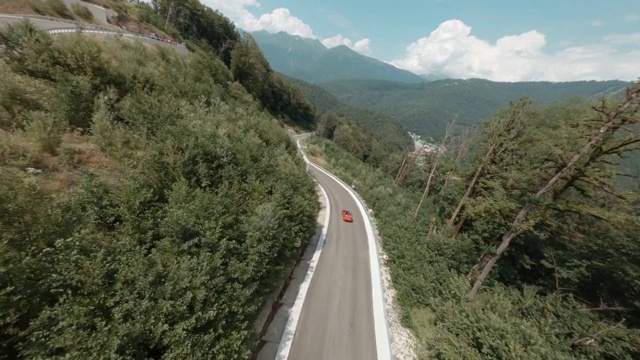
(46, 130)
(201, 191)
(112, 137)
(74, 101)
(28, 50)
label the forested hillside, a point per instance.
(426, 108)
(385, 128)
(515, 242)
(149, 201)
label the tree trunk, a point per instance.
(447, 180)
(166, 23)
(404, 161)
(456, 231)
(464, 145)
(462, 150)
(491, 260)
(472, 185)
(434, 166)
(409, 162)
(473, 273)
(612, 121)
(426, 188)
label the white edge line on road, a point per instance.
(296, 310)
(383, 344)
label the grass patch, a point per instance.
(82, 12)
(319, 160)
(51, 8)
(61, 171)
(47, 131)
(16, 7)
(120, 6)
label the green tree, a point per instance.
(572, 166)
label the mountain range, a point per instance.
(383, 126)
(309, 60)
(426, 108)
(374, 94)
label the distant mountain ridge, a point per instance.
(311, 61)
(385, 128)
(426, 108)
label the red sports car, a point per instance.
(346, 216)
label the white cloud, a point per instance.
(451, 50)
(630, 39)
(361, 46)
(278, 20)
(236, 10)
(632, 17)
(282, 20)
(597, 23)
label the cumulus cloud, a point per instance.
(236, 10)
(629, 39)
(282, 20)
(361, 46)
(278, 20)
(451, 50)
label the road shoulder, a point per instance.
(285, 306)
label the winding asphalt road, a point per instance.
(337, 320)
(52, 24)
(44, 24)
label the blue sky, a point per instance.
(500, 40)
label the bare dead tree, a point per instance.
(462, 147)
(434, 164)
(501, 137)
(590, 340)
(171, 8)
(410, 161)
(404, 161)
(472, 184)
(611, 121)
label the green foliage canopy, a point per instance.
(168, 246)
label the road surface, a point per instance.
(7, 19)
(51, 25)
(336, 322)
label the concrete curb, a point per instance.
(282, 310)
(296, 310)
(180, 48)
(77, 26)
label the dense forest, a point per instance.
(382, 126)
(149, 201)
(427, 108)
(515, 242)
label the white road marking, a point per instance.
(383, 343)
(296, 310)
